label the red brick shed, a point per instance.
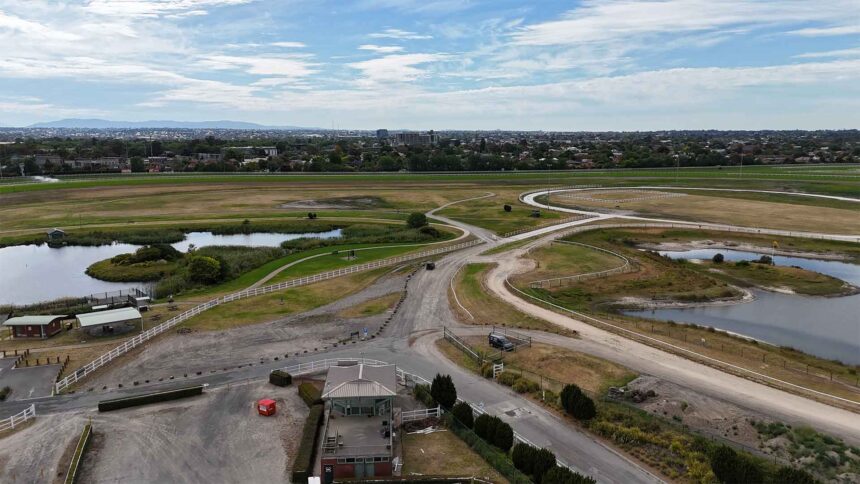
(35, 326)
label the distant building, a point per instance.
(252, 150)
(42, 160)
(358, 431)
(416, 139)
(381, 134)
(56, 234)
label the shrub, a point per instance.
(507, 208)
(790, 475)
(487, 370)
(416, 220)
(280, 378)
(503, 437)
(718, 258)
(522, 456)
(563, 475)
(204, 269)
(462, 411)
(524, 385)
(730, 467)
(507, 378)
(304, 460)
(493, 456)
(310, 394)
(482, 426)
(576, 403)
(544, 460)
(443, 390)
(422, 394)
(4, 393)
(430, 231)
(742, 263)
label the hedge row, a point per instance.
(422, 394)
(280, 378)
(497, 459)
(495, 431)
(310, 394)
(133, 401)
(83, 444)
(303, 465)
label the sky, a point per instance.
(587, 65)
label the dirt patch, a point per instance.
(338, 203)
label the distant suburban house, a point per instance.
(35, 326)
(56, 234)
(100, 322)
(358, 432)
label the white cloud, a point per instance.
(19, 26)
(399, 34)
(395, 68)
(156, 8)
(828, 31)
(854, 52)
(611, 20)
(289, 45)
(382, 49)
(283, 66)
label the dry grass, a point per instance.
(562, 364)
(485, 308)
(735, 211)
(443, 454)
(372, 307)
(276, 305)
(561, 260)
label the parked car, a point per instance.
(500, 341)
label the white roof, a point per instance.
(360, 381)
(107, 317)
(32, 320)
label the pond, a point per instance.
(828, 327)
(34, 273)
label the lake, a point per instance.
(826, 327)
(34, 273)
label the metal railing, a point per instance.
(141, 338)
(560, 281)
(17, 419)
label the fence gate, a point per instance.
(498, 368)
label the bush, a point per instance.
(563, 475)
(523, 457)
(416, 220)
(134, 401)
(422, 394)
(507, 378)
(544, 460)
(487, 370)
(443, 390)
(718, 258)
(742, 263)
(730, 467)
(4, 393)
(204, 269)
(790, 475)
(462, 411)
(280, 378)
(507, 208)
(577, 404)
(503, 437)
(304, 461)
(493, 456)
(524, 385)
(310, 394)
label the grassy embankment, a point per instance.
(422, 454)
(658, 278)
(794, 279)
(487, 309)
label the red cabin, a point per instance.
(266, 407)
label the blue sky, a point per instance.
(443, 64)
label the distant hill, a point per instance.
(106, 124)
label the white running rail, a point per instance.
(141, 338)
(18, 418)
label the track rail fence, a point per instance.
(141, 338)
(17, 419)
(626, 266)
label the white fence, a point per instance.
(420, 414)
(141, 338)
(559, 281)
(554, 222)
(18, 418)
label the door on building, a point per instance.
(369, 468)
(328, 474)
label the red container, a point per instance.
(266, 407)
